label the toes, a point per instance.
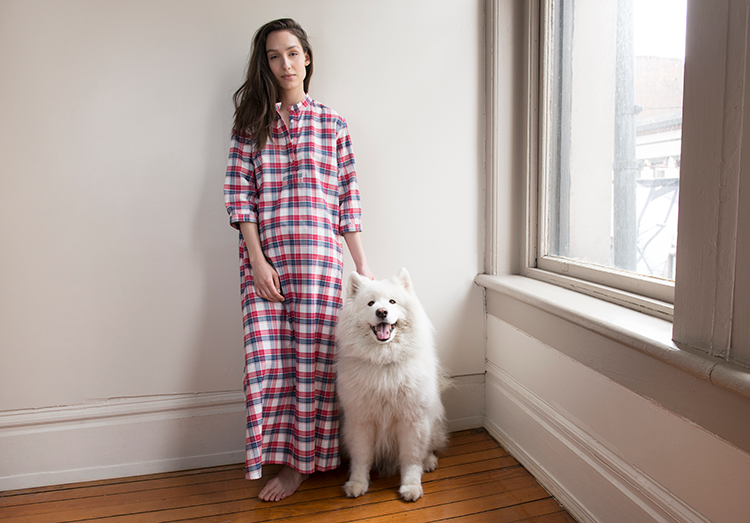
(354, 489)
(267, 494)
(283, 485)
(271, 492)
(410, 492)
(430, 463)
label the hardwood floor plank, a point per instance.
(469, 436)
(53, 500)
(472, 457)
(245, 499)
(468, 448)
(387, 501)
(314, 499)
(507, 514)
(476, 481)
(559, 517)
(123, 493)
(8, 498)
(111, 502)
(442, 504)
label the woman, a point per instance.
(291, 189)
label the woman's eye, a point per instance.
(393, 302)
(371, 304)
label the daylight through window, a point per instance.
(614, 79)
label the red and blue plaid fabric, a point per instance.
(302, 191)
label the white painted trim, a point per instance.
(117, 411)
(563, 436)
(563, 497)
(492, 196)
(648, 335)
(120, 437)
(713, 129)
(632, 300)
(470, 422)
(122, 470)
(464, 402)
(643, 293)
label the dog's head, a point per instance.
(381, 310)
(382, 321)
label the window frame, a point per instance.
(712, 288)
(651, 295)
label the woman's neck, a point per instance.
(288, 100)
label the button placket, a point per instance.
(292, 146)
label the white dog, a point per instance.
(389, 383)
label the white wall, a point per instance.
(609, 453)
(118, 268)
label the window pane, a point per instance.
(615, 133)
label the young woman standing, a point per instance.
(291, 189)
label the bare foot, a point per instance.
(283, 485)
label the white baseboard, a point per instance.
(464, 402)
(146, 435)
(594, 484)
(120, 438)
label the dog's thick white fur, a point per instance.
(389, 383)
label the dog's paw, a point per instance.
(355, 489)
(430, 463)
(411, 492)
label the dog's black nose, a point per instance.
(381, 313)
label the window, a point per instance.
(709, 299)
(610, 143)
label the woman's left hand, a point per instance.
(366, 272)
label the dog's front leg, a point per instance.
(360, 440)
(411, 455)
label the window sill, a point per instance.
(644, 333)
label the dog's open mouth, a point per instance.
(383, 331)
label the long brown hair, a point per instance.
(255, 101)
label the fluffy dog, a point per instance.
(389, 383)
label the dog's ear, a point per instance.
(403, 279)
(355, 284)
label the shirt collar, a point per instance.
(298, 107)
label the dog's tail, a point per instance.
(444, 381)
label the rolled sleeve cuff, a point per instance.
(236, 219)
(350, 224)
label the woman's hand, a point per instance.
(266, 281)
(366, 272)
(265, 278)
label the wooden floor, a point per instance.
(476, 481)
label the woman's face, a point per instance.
(287, 61)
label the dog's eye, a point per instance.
(393, 302)
(371, 304)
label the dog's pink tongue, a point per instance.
(384, 331)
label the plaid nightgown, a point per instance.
(302, 191)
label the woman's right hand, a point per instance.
(266, 281)
(265, 278)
